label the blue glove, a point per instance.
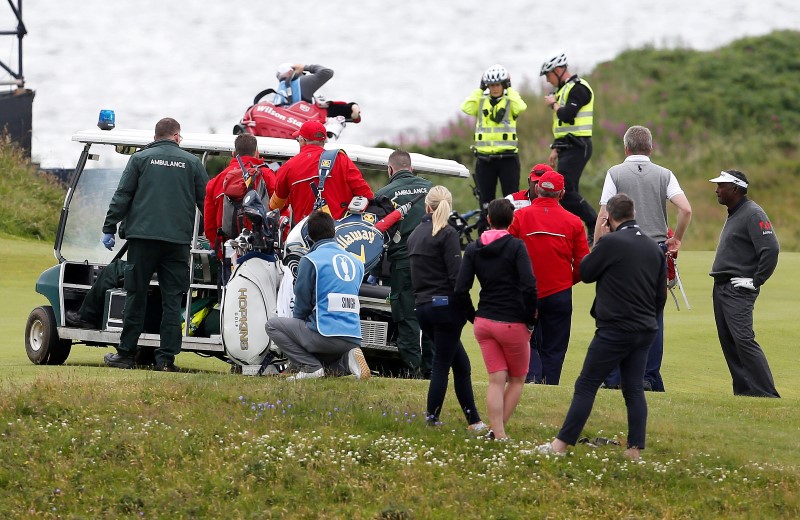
(108, 241)
(372, 279)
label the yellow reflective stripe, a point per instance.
(505, 129)
(584, 119)
(494, 137)
(488, 144)
(573, 128)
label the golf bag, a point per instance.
(248, 301)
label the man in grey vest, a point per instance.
(650, 186)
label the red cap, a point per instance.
(311, 131)
(552, 181)
(538, 170)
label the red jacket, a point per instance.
(520, 199)
(556, 242)
(212, 207)
(293, 185)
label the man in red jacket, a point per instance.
(522, 199)
(556, 242)
(294, 180)
(246, 146)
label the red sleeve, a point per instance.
(282, 183)
(580, 248)
(513, 229)
(355, 180)
(210, 210)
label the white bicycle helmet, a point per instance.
(283, 70)
(559, 60)
(495, 74)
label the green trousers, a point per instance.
(416, 355)
(170, 262)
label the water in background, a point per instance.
(408, 64)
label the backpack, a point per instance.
(234, 187)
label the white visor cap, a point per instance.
(727, 177)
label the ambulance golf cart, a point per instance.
(81, 257)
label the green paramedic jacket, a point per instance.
(158, 193)
(402, 188)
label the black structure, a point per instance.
(16, 106)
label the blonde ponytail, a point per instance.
(440, 202)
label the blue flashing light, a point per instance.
(106, 120)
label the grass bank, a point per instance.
(81, 440)
(732, 107)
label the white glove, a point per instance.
(746, 283)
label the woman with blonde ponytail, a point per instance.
(435, 255)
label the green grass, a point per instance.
(29, 201)
(84, 441)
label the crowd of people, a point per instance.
(535, 245)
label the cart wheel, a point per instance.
(42, 343)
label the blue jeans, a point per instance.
(611, 348)
(443, 325)
(551, 338)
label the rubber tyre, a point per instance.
(42, 343)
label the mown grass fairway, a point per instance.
(84, 441)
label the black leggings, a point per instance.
(443, 326)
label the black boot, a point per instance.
(119, 361)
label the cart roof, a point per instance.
(273, 149)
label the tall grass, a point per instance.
(733, 107)
(29, 200)
(85, 441)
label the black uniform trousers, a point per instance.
(571, 162)
(490, 169)
(733, 312)
(110, 277)
(170, 262)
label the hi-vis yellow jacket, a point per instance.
(582, 127)
(493, 136)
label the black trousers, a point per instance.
(110, 277)
(571, 162)
(610, 348)
(489, 170)
(550, 341)
(733, 312)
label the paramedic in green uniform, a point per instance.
(402, 188)
(156, 197)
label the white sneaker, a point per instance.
(357, 364)
(477, 427)
(547, 449)
(307, 375)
